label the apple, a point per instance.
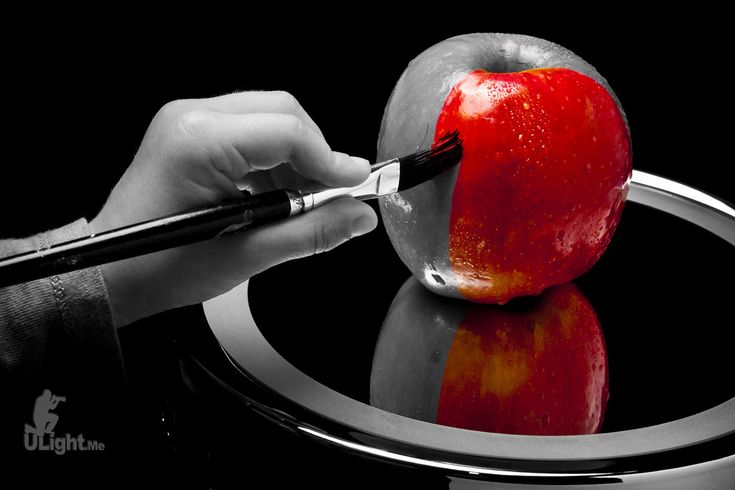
(544, 175)
(536, 366)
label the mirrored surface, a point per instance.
(537, 367)
(658, 295)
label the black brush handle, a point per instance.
(150, 236)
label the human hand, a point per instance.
(197, 152)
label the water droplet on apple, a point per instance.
(436, 356)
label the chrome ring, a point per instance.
(368, 430)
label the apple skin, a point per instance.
(544, 174)
(534, 367)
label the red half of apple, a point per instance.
(544, 175)
(538, 367)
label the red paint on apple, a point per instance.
(544, 175)
(542, 182)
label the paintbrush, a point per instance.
(184, 228)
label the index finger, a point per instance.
(247, 142)
(253, 102)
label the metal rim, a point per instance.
(234, 327)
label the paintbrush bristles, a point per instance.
(424, 165)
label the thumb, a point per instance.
(315, 232)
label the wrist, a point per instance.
(119, 294)
(120, 279)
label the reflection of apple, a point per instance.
(535, 367)
(543, 178)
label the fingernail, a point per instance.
(361, 225)
(345, 159)
(360, 161)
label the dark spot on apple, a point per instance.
(438, 279)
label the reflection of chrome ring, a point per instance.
(673, 452)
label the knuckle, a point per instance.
(326, 236)
(170, 110)
(294, 126)
(286, 102)
(194, 125)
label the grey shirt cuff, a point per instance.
(57, 333)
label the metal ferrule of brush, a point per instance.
(381, 182)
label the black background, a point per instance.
(80, 94)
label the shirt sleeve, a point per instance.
(57, 333)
